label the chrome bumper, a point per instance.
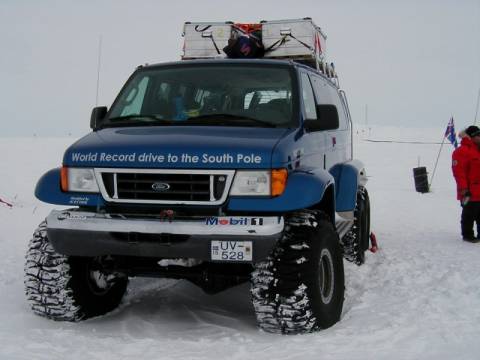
(227, 225)
(80, 233)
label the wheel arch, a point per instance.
(349, 176)
(327, 203)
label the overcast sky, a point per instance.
(414, 63)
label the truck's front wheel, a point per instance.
(68, 288)
(300, 287)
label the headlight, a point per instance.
(251, 183)
(79, 180)
(259, 183)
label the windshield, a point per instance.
(225, 94)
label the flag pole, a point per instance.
(98, 66)
(436, 162)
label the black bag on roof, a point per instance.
(246, 42)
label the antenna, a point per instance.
(476, 111)
(98, 66)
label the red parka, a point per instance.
(466, 169)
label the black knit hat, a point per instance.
(472, 131)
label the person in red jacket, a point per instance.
(466, 170)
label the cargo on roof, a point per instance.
(293, 39)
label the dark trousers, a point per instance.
(470, 215)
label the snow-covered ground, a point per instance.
(417, 298)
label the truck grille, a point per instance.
(164, 186)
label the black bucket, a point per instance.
(421, 179)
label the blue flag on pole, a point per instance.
(450, 133)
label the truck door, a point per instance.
(314, 146)
(337, 141)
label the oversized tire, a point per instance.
(300, 287)
(67, 288)
(356, 241)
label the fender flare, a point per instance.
(348, 177)
(48, 190)
(304, 190)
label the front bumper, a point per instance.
(81, 233)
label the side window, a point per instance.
(308, 98)
(320, 87)
(342, 116)
(326, 94)
(135, 98)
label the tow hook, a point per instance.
(168, 214)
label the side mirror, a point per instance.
(98, 114)
(327, 119)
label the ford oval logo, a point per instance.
(158, 186)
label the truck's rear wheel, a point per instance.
(356, 241)
(68, 288)
(300, 287)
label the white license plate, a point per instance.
(232, 250)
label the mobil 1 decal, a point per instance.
(234, 221)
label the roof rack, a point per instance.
(299, 40)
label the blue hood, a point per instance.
(176, 147)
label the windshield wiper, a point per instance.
(211, 119)
(132, 120)
(214, 119)
(136, 117)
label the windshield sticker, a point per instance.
(168, 158)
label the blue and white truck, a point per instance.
(218, 171)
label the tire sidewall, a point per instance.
(325, 239)
(366, 201)
(362, 226)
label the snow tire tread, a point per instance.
(58, 287)
(47, 275)
(279, 284)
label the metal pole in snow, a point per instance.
(366, 116)
(98, 67)
(436, 162)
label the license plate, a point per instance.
(232, 250)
